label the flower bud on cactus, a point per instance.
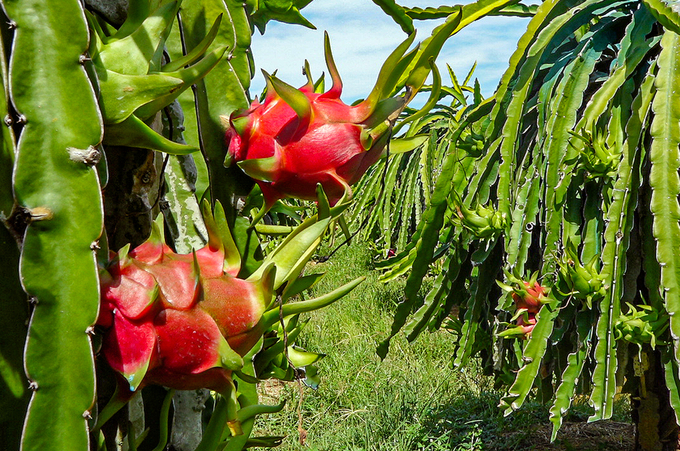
(578, 280)
(182, 321)
(299, 138)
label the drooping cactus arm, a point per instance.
(664, 181)
(59, 190)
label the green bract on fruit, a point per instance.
(134, 79)
(524, 324)
(179, 320)
(527, 295)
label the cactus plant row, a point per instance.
(580, 161)
(128, 265)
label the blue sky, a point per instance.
(362, 36)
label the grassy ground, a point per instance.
(414, 399)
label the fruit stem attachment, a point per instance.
(119, 398)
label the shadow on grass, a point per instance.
(474, 422)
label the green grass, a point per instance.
(413, 400)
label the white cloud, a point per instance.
(362, 36)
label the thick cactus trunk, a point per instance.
(132, 194)
(653, 415)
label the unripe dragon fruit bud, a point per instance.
(298, 138)
(578, 280)
(642, 324)
(483, 222)
(179, 320)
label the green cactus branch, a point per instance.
(61, 195)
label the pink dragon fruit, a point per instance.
(186, 321)
(526, 324)
(297, 139)
(531, 298)
(528, 297)
(182, 321)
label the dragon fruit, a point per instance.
(297, 139)
(179, 320)
(526, 324)
(186, 321)
(530, 298)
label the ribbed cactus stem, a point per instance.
(63, 197)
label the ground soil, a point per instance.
(573, 436)
(601, 435)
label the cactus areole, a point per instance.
(298, 138)
(182, 321)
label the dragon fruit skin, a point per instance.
(298, 138)
(182, 321)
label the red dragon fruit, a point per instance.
(526, 324)
(297, 139)
(531, 298)
(186, 321)
(528, 297)
(179, 320)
